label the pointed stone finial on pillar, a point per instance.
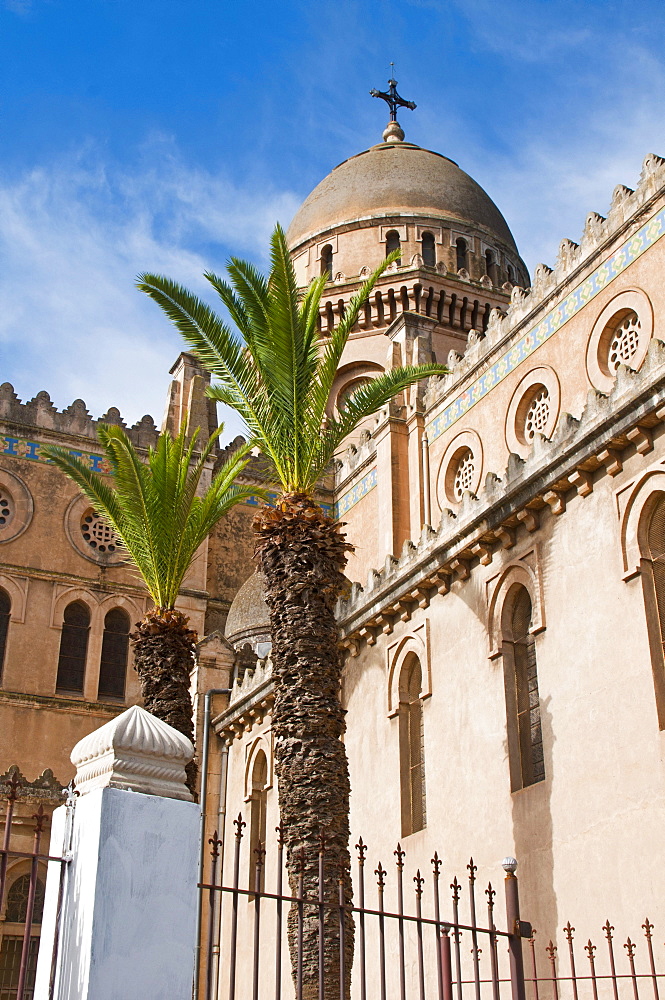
(135, 751)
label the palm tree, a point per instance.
(154, 509)
(279, 378)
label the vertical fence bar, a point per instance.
(382, 943)
(214, 852)
(322, 848)
(647, 933)
(607, 930)
(39, 819)
(419, 930)
(239, 823)
(551, 951)
(455, 886)
(258, 871)
(513, 928)
(630, 948)
(472, 869)
(534, 966)
(436, 869)
(446, 966)
(13, 785)
(399, 854)
(569, 932)
(279, 830)
(590, 948)
(301, 914)
(342, 937)
(494, 957)
(361, 849)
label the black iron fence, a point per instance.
(414, 937)
(22, 894)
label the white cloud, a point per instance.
(73, 237)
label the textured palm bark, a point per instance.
(164, 648)
(302, 554)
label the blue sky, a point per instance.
(167, 134)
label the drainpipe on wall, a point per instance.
(221, 827)
(427, 513)
(204, 789)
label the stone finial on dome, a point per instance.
(135, 751)
(393, 132)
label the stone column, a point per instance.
(127, 928)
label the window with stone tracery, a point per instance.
(17, 901)
(624, 342)
(464, 474)
(523, 716)
(537, 415)
(98, 533)
(411, 747)
(6, 508)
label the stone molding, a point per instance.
(45, 788)
(137, 752)
(23, 506)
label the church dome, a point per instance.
(397, 178)
(248, 620)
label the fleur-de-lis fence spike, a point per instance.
(569, 931)
(13, 784)
(436, 864)
(630, 948)
(648, 927)
(455, 886)
(361, 848)
(239, 824)
(590, 949)
(215, 843)
(419, 883)
(490, 893)
(279, 830)
(39, 818)
(608, 928)
(260, 852)
(472, 869)
(381, 875)
(399, 854)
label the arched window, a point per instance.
(259, 803)
(525, 738)
(511, 274)
(17, 901)
(73, 648)
(392, 241)
(115, 647)
(653, 580)
(5, 612)
(490, 266)
(327, 260)
(428, 250)
(461, 252)
(411, 747)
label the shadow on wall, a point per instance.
(532, 833)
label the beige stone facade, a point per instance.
(509, 531)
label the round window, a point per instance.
(6, 508)
(99, 535)
(624, 340)
(463, 474)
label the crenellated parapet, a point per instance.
(75, 420)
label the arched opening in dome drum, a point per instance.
(511, 274)
(428, 250)
(392, 241)
(461, 249)
(327, 261)
(490, 266)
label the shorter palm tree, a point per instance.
(161, 516)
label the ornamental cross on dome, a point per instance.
(392, 98)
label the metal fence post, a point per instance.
(514, 928)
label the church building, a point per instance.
(504, 626)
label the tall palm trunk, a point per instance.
(301, 553)
(164, 648)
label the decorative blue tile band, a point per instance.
(22, 448)
(356, 493)
(633, 248)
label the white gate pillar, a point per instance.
(127, 929)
